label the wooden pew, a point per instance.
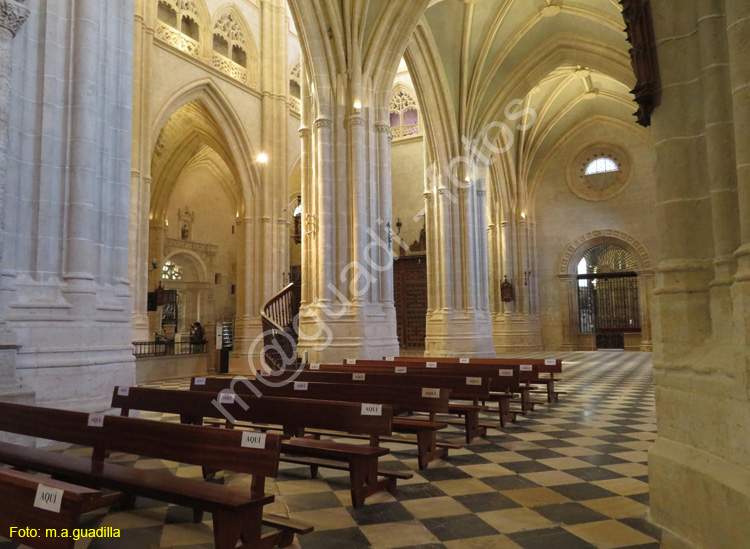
(402, 399)
(236, 515)
(18, 493)
(471, 389)
(547, 366)
(295, 416)
(526, 372)
(504, 382)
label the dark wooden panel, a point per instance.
(410, 294)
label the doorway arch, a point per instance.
(577, 334)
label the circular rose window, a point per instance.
(599, 172)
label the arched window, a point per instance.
(404, 114)
(178, 25)
(602, 165)
(608, 303)
(171, 271)
(230, 47)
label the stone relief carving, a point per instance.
(12, 15)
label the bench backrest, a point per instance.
(500, 378)
(546, 365)
(18, 493)
(418, 399)
(293, 414)
(460, 387)
(220, 449)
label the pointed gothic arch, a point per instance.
(238, 143)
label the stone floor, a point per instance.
(571, 475)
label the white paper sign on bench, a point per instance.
(372, 409)
(253, 440)
(96, 420)
(48, 498)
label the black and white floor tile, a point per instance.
(569, 475)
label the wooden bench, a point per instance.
(237, 516)
(471, 389)
(504, 382)
(18, 494)
(547, 366)
(526, 372)
(402, 399)
(295, 416)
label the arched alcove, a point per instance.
(606, 284)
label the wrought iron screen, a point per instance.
(608, 292)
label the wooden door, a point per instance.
(410, 295)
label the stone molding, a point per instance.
(323, 123)
(601, 236)
(12, 15)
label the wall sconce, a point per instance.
(398, 226)
(523, 215)
(262, 158)
(526, 277)
(154, 265)
(357, 105)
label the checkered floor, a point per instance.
(570, 475)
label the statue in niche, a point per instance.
(186, 218)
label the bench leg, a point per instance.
(233, 526)
(427, 448)
(363, 475)
(551, 394)
(471, 425)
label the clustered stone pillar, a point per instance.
(65, 289)
(512, 252)
(458, 318)
(142, 278)
(347, 289)
(698, 465)
(262, 268)
(12, 16)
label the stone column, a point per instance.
(12, 16)
(140, 180)
(516, 325)
(459, 320)
(569, 312)
(645, 295)
(698, 466)
(247, 322)
(738, 38)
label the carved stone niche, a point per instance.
(640, 28)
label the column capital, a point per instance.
(355, 120)
(13, 14)
(304, 133)
(323, 123)
(382, 128)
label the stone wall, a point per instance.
(563, 217)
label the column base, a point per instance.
(516, 332)
(700, 499)
(366, 331)
(141, 328)
(459, 333)
(248, 337)
(73, 346)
